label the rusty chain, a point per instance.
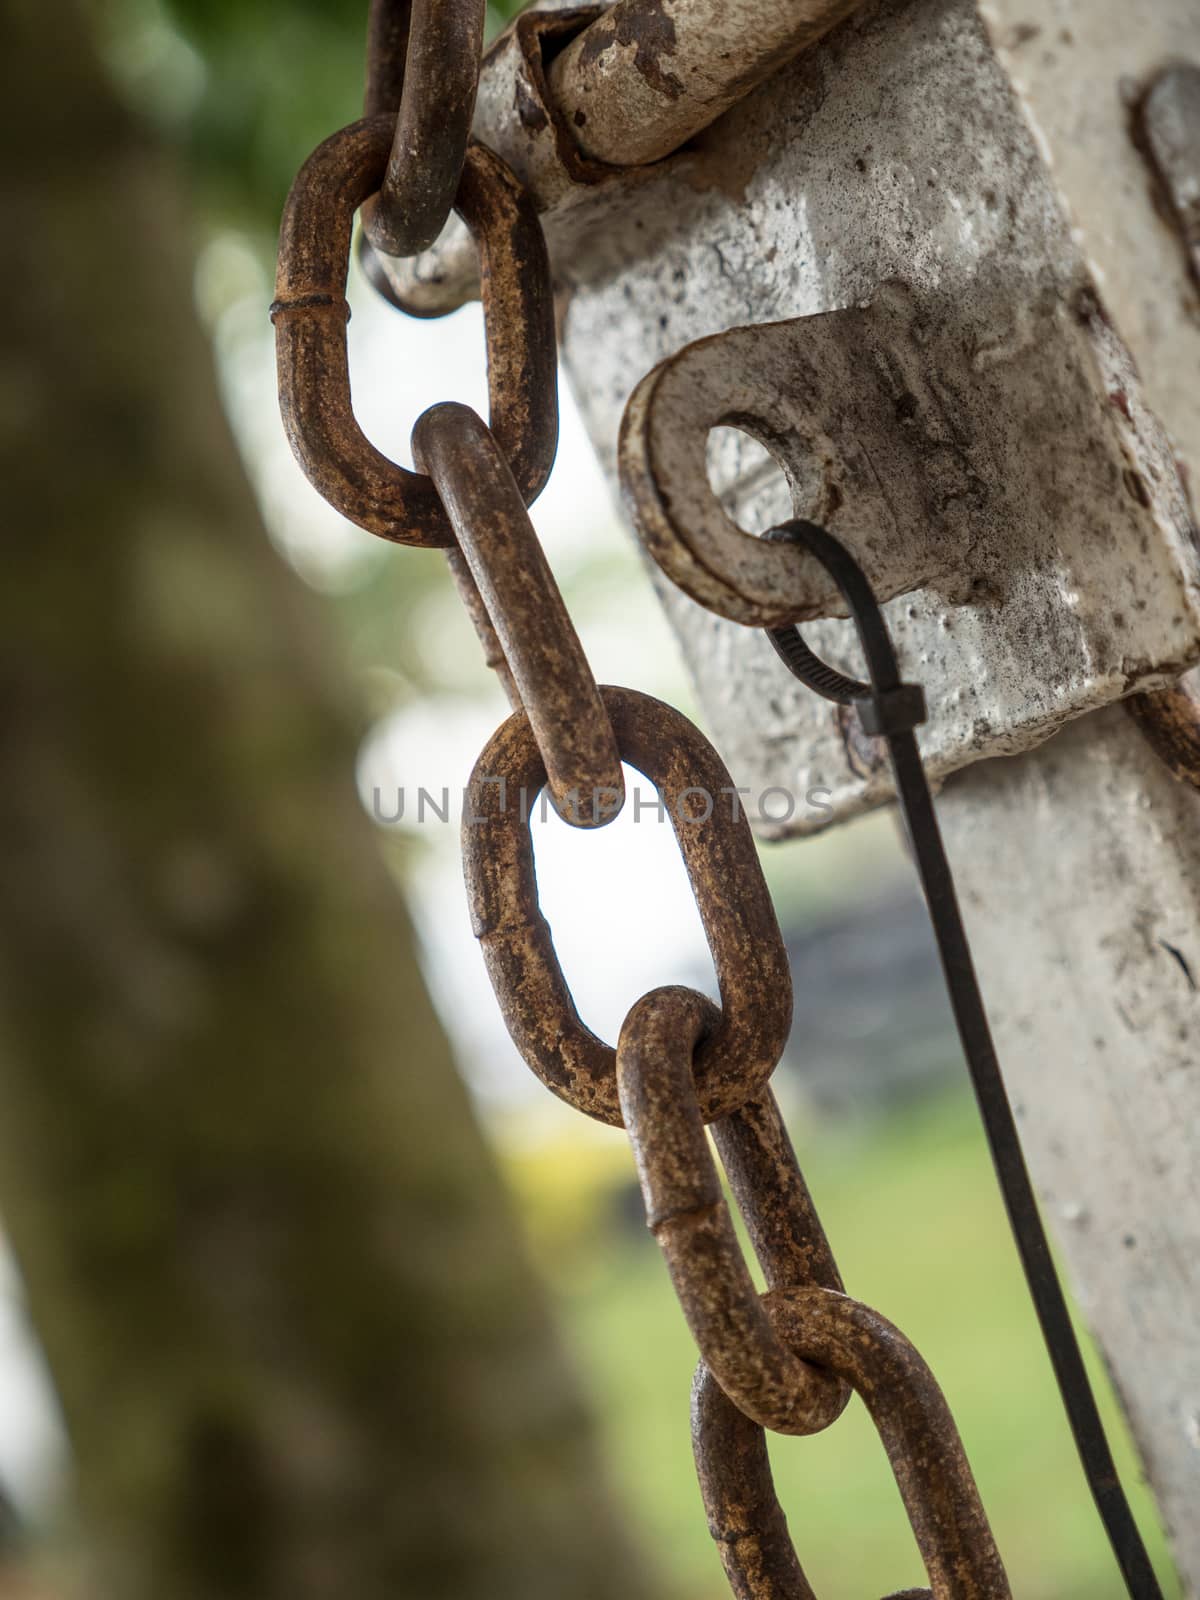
(412, 44)
(687, 1214)
(786, 1360)
(310, 315)
(738, 1055)
(854, 1344)
(537, 643)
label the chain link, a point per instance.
(697, 795)
(524, 608)
(787, 1360)
(423, 69)
(687, 1214)
(855, 1344)
(310, 314)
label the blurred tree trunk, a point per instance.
(298, 1345)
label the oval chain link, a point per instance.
(423, 68)
(699, 799)
(525, 609)
(687, 1214)
(850, 1341)
(310, 315)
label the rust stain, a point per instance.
(651, 31)
(1170, 720)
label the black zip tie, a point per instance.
(892, 709)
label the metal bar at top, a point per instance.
(628, 89)
(649, 74)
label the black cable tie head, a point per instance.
(884, 712)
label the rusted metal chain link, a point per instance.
(524, 606)
(310, 315)
(787, 1360)
(855, 1344)
(423, 68)
(493, 650)
(698, 796)
(786, 1234)
(687, 1214)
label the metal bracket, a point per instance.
(1020, 508)
(582, 101)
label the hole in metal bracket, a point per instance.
(747, 480)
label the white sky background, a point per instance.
(32, 1447)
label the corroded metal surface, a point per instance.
(651, 73)
(1080, 71)
(422, 67)
(493, 651)
(628, 85)
(526, 610)
(1116, 114)
(310, 315)
(772, 1196)
(688, 1216)
(519, 118)
(726, 878)
(948, 485)
(1040, 472)
(515, 116)
(931, 469)
(916, 1429)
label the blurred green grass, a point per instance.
(911, 1209)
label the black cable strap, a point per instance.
(892, 709)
